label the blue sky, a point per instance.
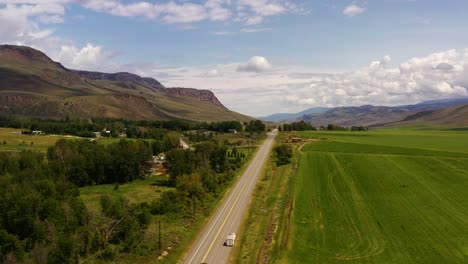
(260, 56)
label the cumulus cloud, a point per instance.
(353, 10)
(255, 64)
(88, 57)
(27, 22)
(294, 88)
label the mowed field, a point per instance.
(365, 198)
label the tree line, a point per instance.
(297, 126)
(118, 126)
(303, 126)
(85, 162)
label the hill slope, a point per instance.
(285, 116)
(369, 115)
(31, 84)
(453, 116)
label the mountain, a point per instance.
(369, 115)
(284, 116)
(452, 116)
(31, 84)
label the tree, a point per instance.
(179, 162)
(256, 126)
(283, 154)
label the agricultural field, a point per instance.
(139, 191)
(11, 139)
(389, 196)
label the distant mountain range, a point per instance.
(285, 116)
(33, 85)
(369, 115)
(452, 116)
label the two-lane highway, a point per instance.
(209, 246)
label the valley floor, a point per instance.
(389, 196)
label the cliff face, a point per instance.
(31, 84)
(121, 77)
(125, 79)
(201, 95)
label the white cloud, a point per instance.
(223, 33)
(211, 73)
(353, 10)
(26, 24)
(87, 58)
(20, 24)
(253, 12)
(254, 20)
(255, 30)
(307, 101)
(250, 12)
(255, 64)
(184, 13)
(294, 88)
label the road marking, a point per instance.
(262, 159)
(222, 210)
(224, 222)
(252, 169)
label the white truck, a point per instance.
(231, 240)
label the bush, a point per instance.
(283, 154)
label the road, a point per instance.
(209, 245)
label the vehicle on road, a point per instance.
(231, 240)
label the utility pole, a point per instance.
(159, 237)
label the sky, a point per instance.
(260, 56)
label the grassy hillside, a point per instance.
(33, 85)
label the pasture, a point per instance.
(11, 139)
(139, 191)
(390, 196)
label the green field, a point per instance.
(390, 196)
(139, 191)
(11, 139)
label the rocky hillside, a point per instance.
(31, 84)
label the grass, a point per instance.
(15, 141)
(262, 232)
(455, 141)
(138, 191)
(391, 196)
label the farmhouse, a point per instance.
(37, 133)
(203, 131)
(233, 131)
(294, 139)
